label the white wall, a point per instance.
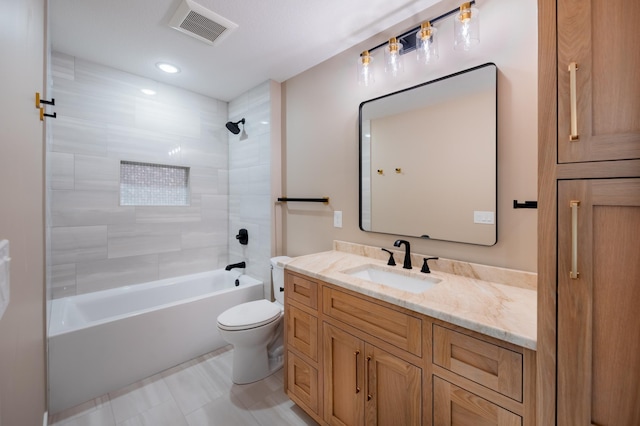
(250, 178)
(104, 118)
(22, 349)
(321, 135)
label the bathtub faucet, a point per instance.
(235, 265)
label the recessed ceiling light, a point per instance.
(168, 68)
(148, 92)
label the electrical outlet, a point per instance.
(337, 219)
(486, 218)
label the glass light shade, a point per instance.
(466, 27)
(426, 44)
(365, 71)
(392, 60)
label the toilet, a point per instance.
(255, 329)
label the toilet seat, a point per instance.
(249, 315)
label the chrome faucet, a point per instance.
(235, 265)
(407, 252)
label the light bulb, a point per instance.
(365, 71)
(466, 28)
(426, 44)
(392, 58)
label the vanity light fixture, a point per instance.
(168, 68)
(423, 39)
(392, 60)
(426, 43)
(365, 72)
(466, 27)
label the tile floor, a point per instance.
(196, 393)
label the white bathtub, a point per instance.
(103, 341)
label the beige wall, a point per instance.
(321, 135)
(22, 353)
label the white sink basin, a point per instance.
(400, 279)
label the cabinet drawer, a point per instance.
(301, 290)
(394, 327)
(302, 381)
(302, 332)
(490, 365)
(454, 406)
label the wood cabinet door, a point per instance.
(302, 381)
(393, 390)
(598, 353)
(302, 332)
(343, 362)
(600, 36)
(454, 406)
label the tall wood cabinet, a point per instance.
(589, 213)
(598, 294)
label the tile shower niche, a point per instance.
(146, 184)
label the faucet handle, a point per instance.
(425, 265)
(392, 261)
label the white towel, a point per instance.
(4, 276)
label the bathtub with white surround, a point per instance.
(100, 342)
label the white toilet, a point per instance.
(255, 329)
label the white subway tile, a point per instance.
(111, 273)
(78, 208)
(96, 173)
(75, 244)
(144, 238)
(61, 170)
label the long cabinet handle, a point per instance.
(356, 353)
(574, 274)
(369, 396)
(574, 102)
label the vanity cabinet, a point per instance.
(588, 218)
(355, 360)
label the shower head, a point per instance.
(233, 127)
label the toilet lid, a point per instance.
(249, 315)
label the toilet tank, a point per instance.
(277, 277)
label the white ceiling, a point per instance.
(275, 39)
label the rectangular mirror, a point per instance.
(428, 159)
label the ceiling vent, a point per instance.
(199, 22)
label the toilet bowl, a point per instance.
(255, 329)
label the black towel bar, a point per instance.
(304, 200)
(525, 205)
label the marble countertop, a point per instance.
(505, 311)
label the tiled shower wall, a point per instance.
(250, 202)
(103, 118)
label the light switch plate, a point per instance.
(337, 219)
